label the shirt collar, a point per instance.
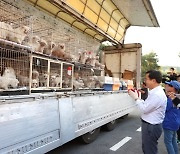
(154, 89)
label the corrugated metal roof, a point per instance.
(101, 19)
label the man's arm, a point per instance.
(176, 101)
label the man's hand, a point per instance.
(135, 94)
(171, 95)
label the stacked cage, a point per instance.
(56, 41)
(44, 55)
(14, 68)
(15, 26)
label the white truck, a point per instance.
(39, 122)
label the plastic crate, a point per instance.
(116, 87)
(108, 87)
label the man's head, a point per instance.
(153, 78)
(172, 86)
(178, 78)
(172, 69)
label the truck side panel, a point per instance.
(28, 125)
(81, 114)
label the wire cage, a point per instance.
(58, 42)
(48, 74)
(39, 73)
(67, 75)
(14, 68)
(47, 54)
(15, 25)
(55, 75)
(86, 78)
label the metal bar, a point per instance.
(72, 11)
(73, 22)
(84, 7)
(102, 18)
(110, 20)
(35, 4)
(58, 13)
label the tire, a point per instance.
(111, 125)
(90, 136)
(125, 116)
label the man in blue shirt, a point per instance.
(171, 121)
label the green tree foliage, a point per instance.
(148, 62)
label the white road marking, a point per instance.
(139, 129)
(121, 143)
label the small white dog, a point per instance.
(19, 34)
(9, 73)
(34, 83)
(55, 80)
(5, 82)
(43, 79)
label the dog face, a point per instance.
(43, 43)
(45, 76)
(25, 29)
(35, 39)
(61, 46)
(34, 83)
(9, 71)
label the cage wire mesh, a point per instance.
(15, 25)
(22, 28)
(67, 76)
(14, 68)
(40, 75)
(55, 75)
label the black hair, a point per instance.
(144, 83)
(172, 68)
(154, 74)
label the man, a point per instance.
(171, 121)
(152, 111)
(172, 75)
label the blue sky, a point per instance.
(164, 40)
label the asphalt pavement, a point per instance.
(124, 139)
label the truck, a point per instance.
(40, 120)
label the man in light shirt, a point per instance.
(152, 111)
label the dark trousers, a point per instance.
(150, 135)
(178, 134)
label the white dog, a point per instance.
(55, 80)
(5, 82)
(9, 73)
(5, 30)
(19, 34)
(48, 49)
(43, 79)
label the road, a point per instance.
(127, 132)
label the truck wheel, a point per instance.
(111, 125)
(90, 136)
(125, 116)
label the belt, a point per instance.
(145, 122)
(148, 122)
